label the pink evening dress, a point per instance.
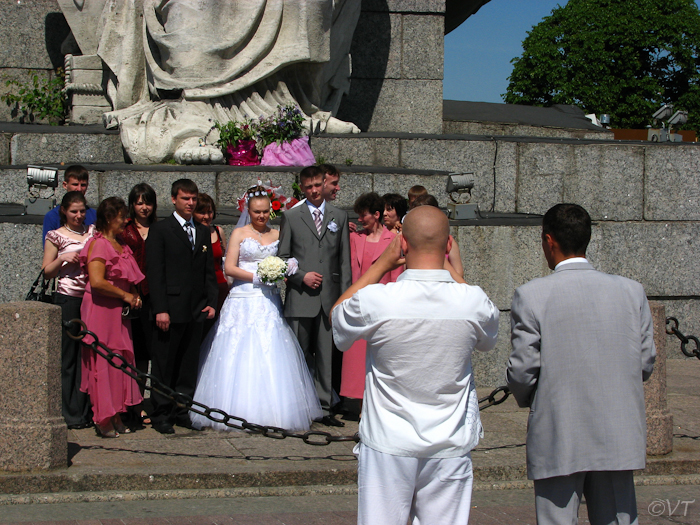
(352, 383)
(110, 389)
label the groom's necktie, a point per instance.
(188, 229)
(317, 221)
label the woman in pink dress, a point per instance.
(112, 278)
(366, 246)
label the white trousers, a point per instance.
(428, 491)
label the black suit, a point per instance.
(182, 282)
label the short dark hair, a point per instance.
(396, 202)
(310, 172)
(148, 194)
(204, 203)
(570, 225)
(108, 209)
(329, 169)
(76, 171)
(68, 199)
(184, 186)
(425, 200)
(370, 202)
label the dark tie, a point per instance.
(317, 221)
(188, 229)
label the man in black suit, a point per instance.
(180, 272)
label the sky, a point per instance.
(478, 53)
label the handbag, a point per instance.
(40, 290)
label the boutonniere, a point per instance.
(333, 226)
(204, 248)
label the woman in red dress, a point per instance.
(142, 213)
(205, 213)
(366, 246)
(112, 278)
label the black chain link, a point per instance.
(491, 398)
(311, 437)
(685, 339)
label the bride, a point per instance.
(251, 365)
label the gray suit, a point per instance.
(308, 309)
(582, 345)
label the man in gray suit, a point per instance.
(316, 234)
(582, 345)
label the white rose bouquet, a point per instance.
(271, 270)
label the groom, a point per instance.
(316, 234)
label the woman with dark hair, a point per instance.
(142, 213)
(61, 260)
(366, 246)
(205, 213)
(395, 207)
(112, 278)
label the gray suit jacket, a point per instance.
(327, 254)
(582, 345)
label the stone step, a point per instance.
(614, 180)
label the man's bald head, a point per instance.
(426, 230)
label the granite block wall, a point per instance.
(397, 67)
(31, 33)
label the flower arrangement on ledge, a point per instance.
(238, 142)
(279, 139)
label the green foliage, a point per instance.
(39, 98)
(231, 132)
(625, 58)
(285, 125)
(348, 161)
(320, 160)
(296, 188)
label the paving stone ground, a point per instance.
(657, 505)
(193, 478)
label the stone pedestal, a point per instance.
(33, 434)
(659, 418)
(84, 81)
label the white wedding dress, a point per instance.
(251, 365)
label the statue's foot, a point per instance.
(335, 125)
(199, 155)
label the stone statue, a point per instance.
(175, 67)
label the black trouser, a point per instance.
(75, 404)
(175, 361)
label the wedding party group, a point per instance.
(376, 310)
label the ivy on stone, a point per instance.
(40, 98)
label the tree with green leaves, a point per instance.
(622, 57)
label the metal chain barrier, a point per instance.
(311, 437)
(491, 400)
(672, 329)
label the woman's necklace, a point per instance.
(73, 231)
(260, 234)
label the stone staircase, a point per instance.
(643, 197)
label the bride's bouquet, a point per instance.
(272, 269)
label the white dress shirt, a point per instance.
(420, 399)
(182, 224)
(322, 208)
